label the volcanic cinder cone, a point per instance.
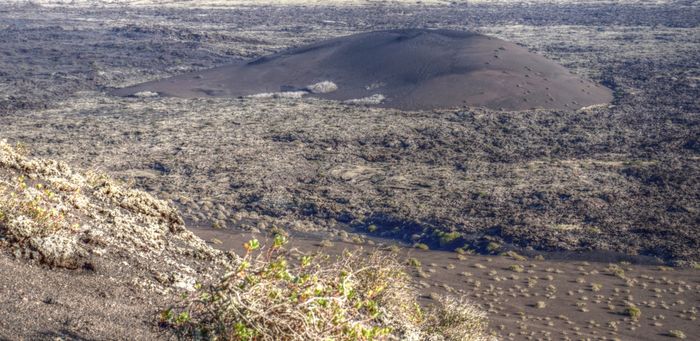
(410, 69)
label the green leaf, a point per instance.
(251, 245)
(279, 241)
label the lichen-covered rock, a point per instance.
(322, 87)
(67, 218)
(61, 251)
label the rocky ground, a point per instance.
(621, 178)
(82, 256)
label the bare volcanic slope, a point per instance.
(409, 69)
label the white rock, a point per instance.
(322, 87)
(146, 94)
(374, 99)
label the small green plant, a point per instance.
(515, 256)
(447, 238)
(421, 246)
(372, 228)
(633, 312)
(464, 250)
(516, 268)
(616, 270)
(493, 247)
(414, 262)
(393, 248)
(326, 243)
(678, 334)
(251, 245)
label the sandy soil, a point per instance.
(39, 303)
(580, 299)
(621, 178)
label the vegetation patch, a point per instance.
(448, 238)
(421, 246)
(633, 312)
(675, 333)
(268, 296)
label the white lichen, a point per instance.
(62, 217)
(371, 100)
(145, 94)
(284, 94)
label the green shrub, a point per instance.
(447, 238)
(516, 268)
(678, 334)
(633, 312)
(493, 247)
(616, 270)
(514, 255)
(414, 262)
(265, 296)
(421, 246)
(326, 243)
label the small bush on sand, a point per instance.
(421, 246)
(455, 319)
(616, 270)
(514, 255)
(633, 312)
(447, 238)
(266, 296)
(493, 247)
(414, 262)
(516, 268)
(675, 333)
(372, 228)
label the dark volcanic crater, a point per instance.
(412, 69)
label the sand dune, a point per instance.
(410, 69)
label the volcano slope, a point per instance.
(410, 69)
